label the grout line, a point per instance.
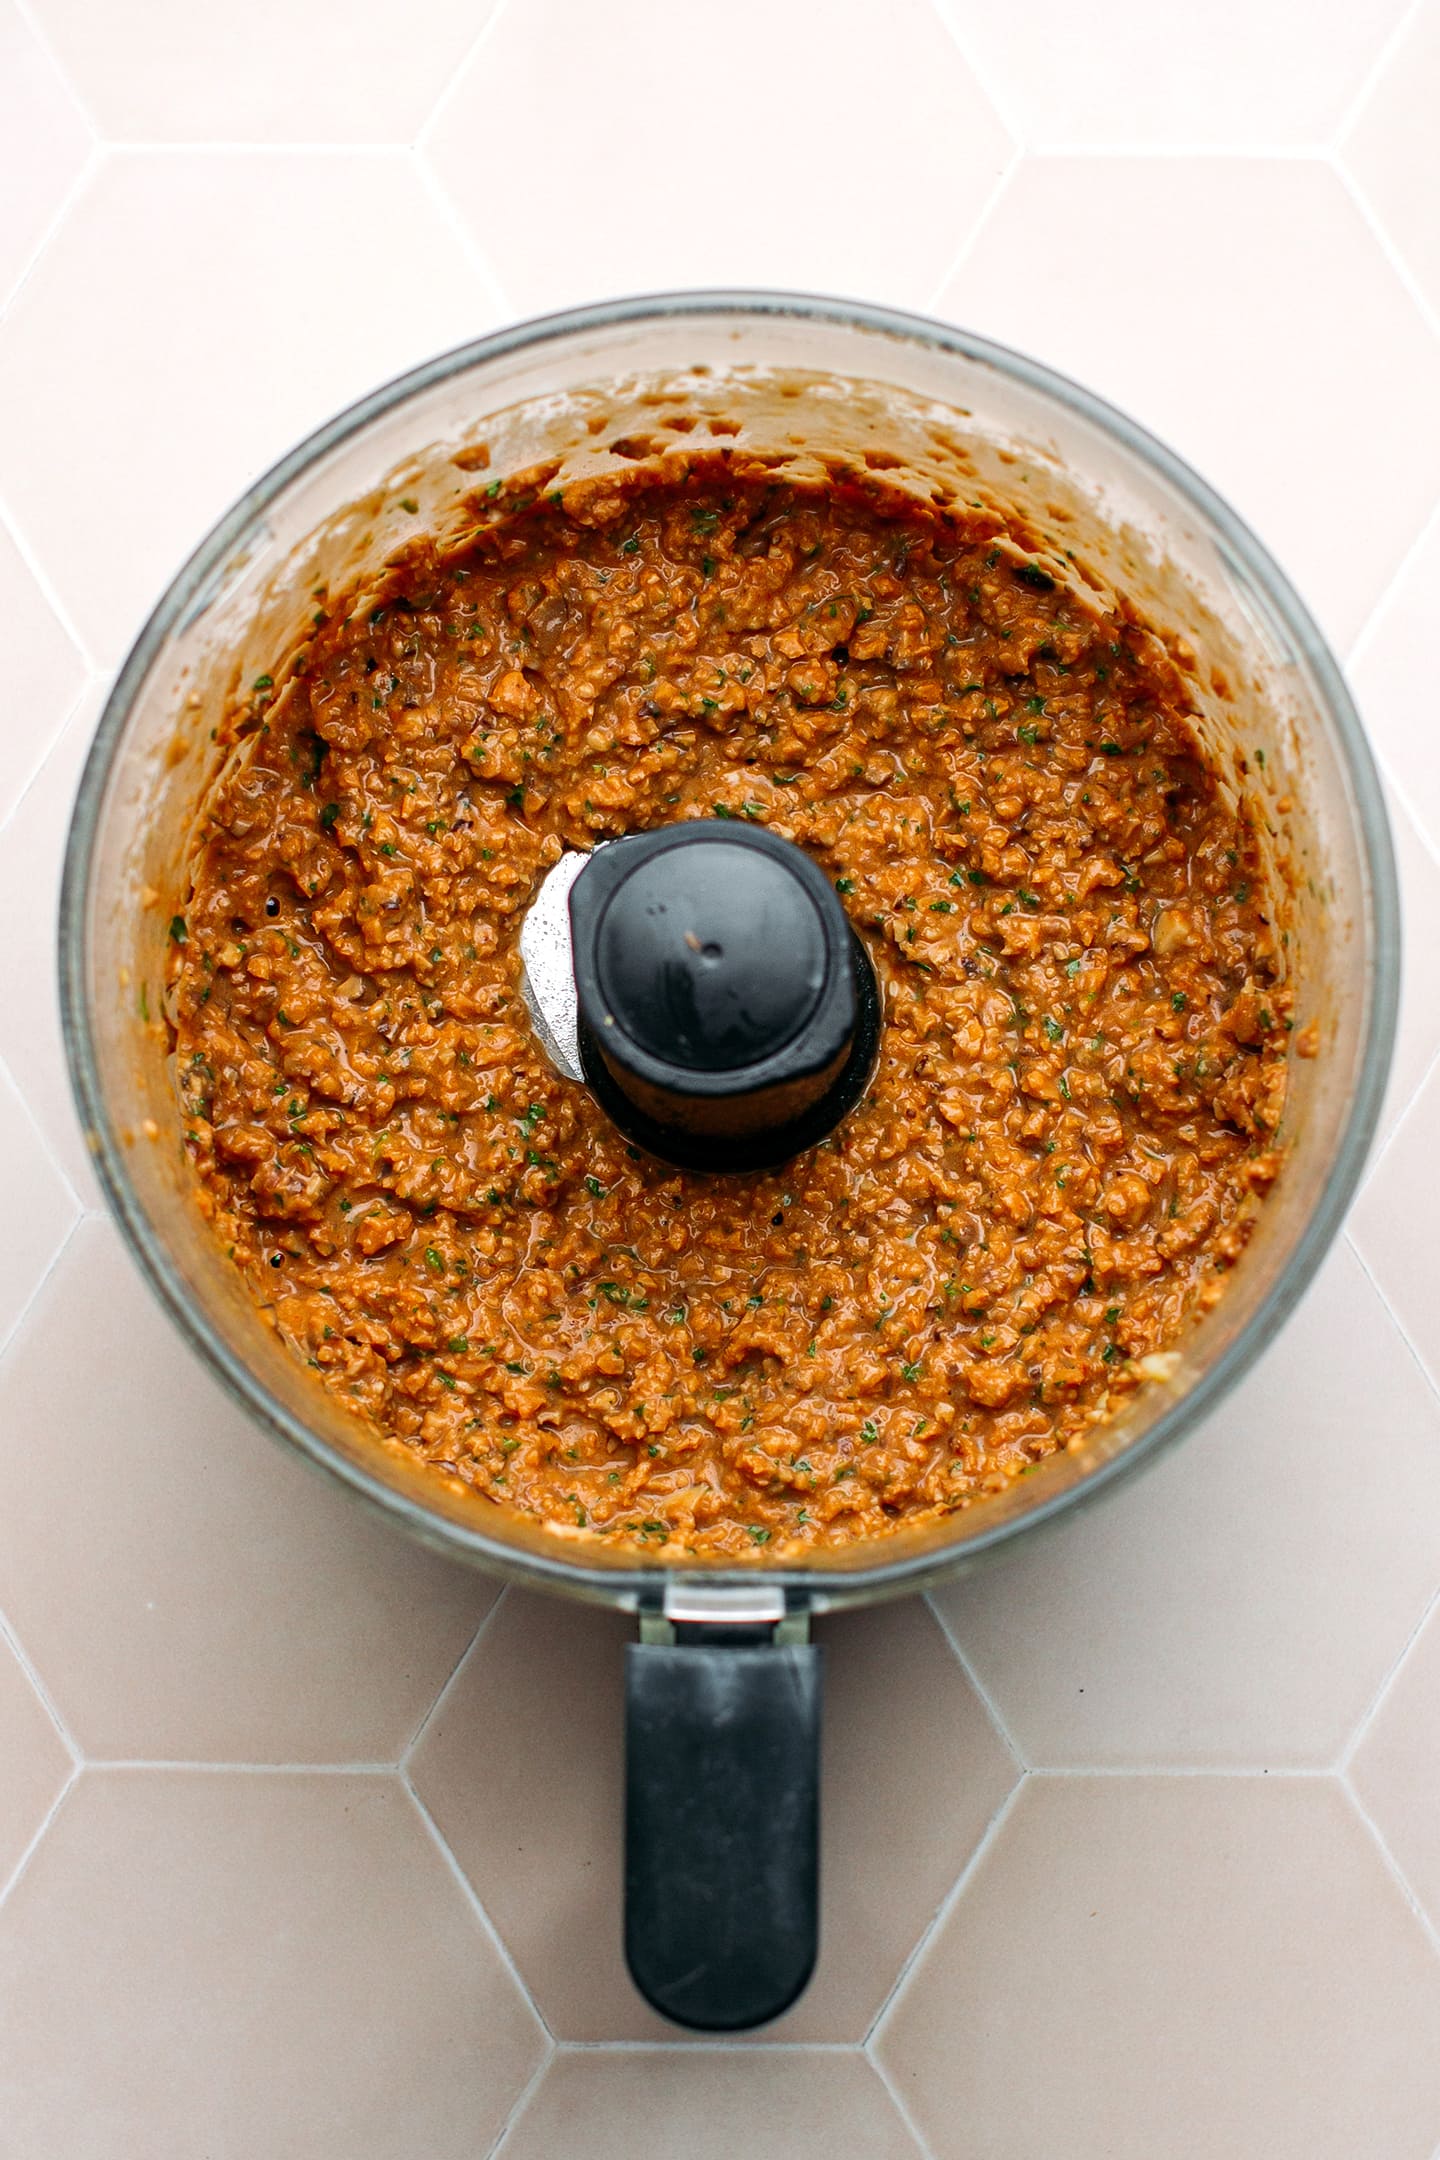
(240, 1769)
(1380, 1152)
(407, 1753)
(462, 69)
(1389, 46)
(1358, 1737)
(733, 2045)
(1209, 152)
(1279, 1772)
(470, 247)
(61, 1249)
(1432, 1385)
(1374, 622)
(85, 1210)
(403, 1760)
(1430, 847)
(982, 218)
(50, 1813)
(1368, 1717)
(18, 540)
(472, 1897)
(1392, 1865)
(986, 1698)
(95, 679)
(43, 40)
(522, 2099)
(47, 1701)
(220, 147)
(998, 101)
(898, 2102)
(92, 163)
(943, 1910)
(1380, 235)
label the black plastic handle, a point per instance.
(722, 1828)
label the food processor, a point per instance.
(725, 1020)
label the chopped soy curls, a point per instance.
(1078, 1102)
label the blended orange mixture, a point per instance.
(1083, 1060)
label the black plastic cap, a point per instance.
(714, 957)
(728, 1015)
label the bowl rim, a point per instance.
(819, 1585)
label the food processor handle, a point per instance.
(722, 1817)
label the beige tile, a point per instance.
(521, 1767)
(330, 71)
(1396, 1769)
(1392, 1224)
(1239, 1603)
(1418, 1036)
(32, 848)
(1256, 326)
(1393, 151)
(1232, 74)
(187, 1590)
(34, 1762)
(44, 142)
(185, 325)
(1150, 1968)
(39, 1208)
(913, 1772)
(709, 2104)
(43, 674)
(1390, 661)
(231, 1965)
(797, 206)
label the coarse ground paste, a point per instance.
(1084, 1052)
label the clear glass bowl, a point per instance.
(941, 411)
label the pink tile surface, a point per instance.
(331, 71)
(1232, 267)
(1226, 76)
(709, 2104)
(1153, 1633)
(196, 312)
(797, 206)
(37, 1762)
(521, 1769)
(294, 1932)
(32, 845)
(196, 1595)
(1418, 1039)
(1214, 1965)
(1391, 149)
(44, 143)
(1396, 1768)
(44, 679)
(261, 1963)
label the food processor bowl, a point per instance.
(946, 416)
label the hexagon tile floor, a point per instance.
(308, 1842)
